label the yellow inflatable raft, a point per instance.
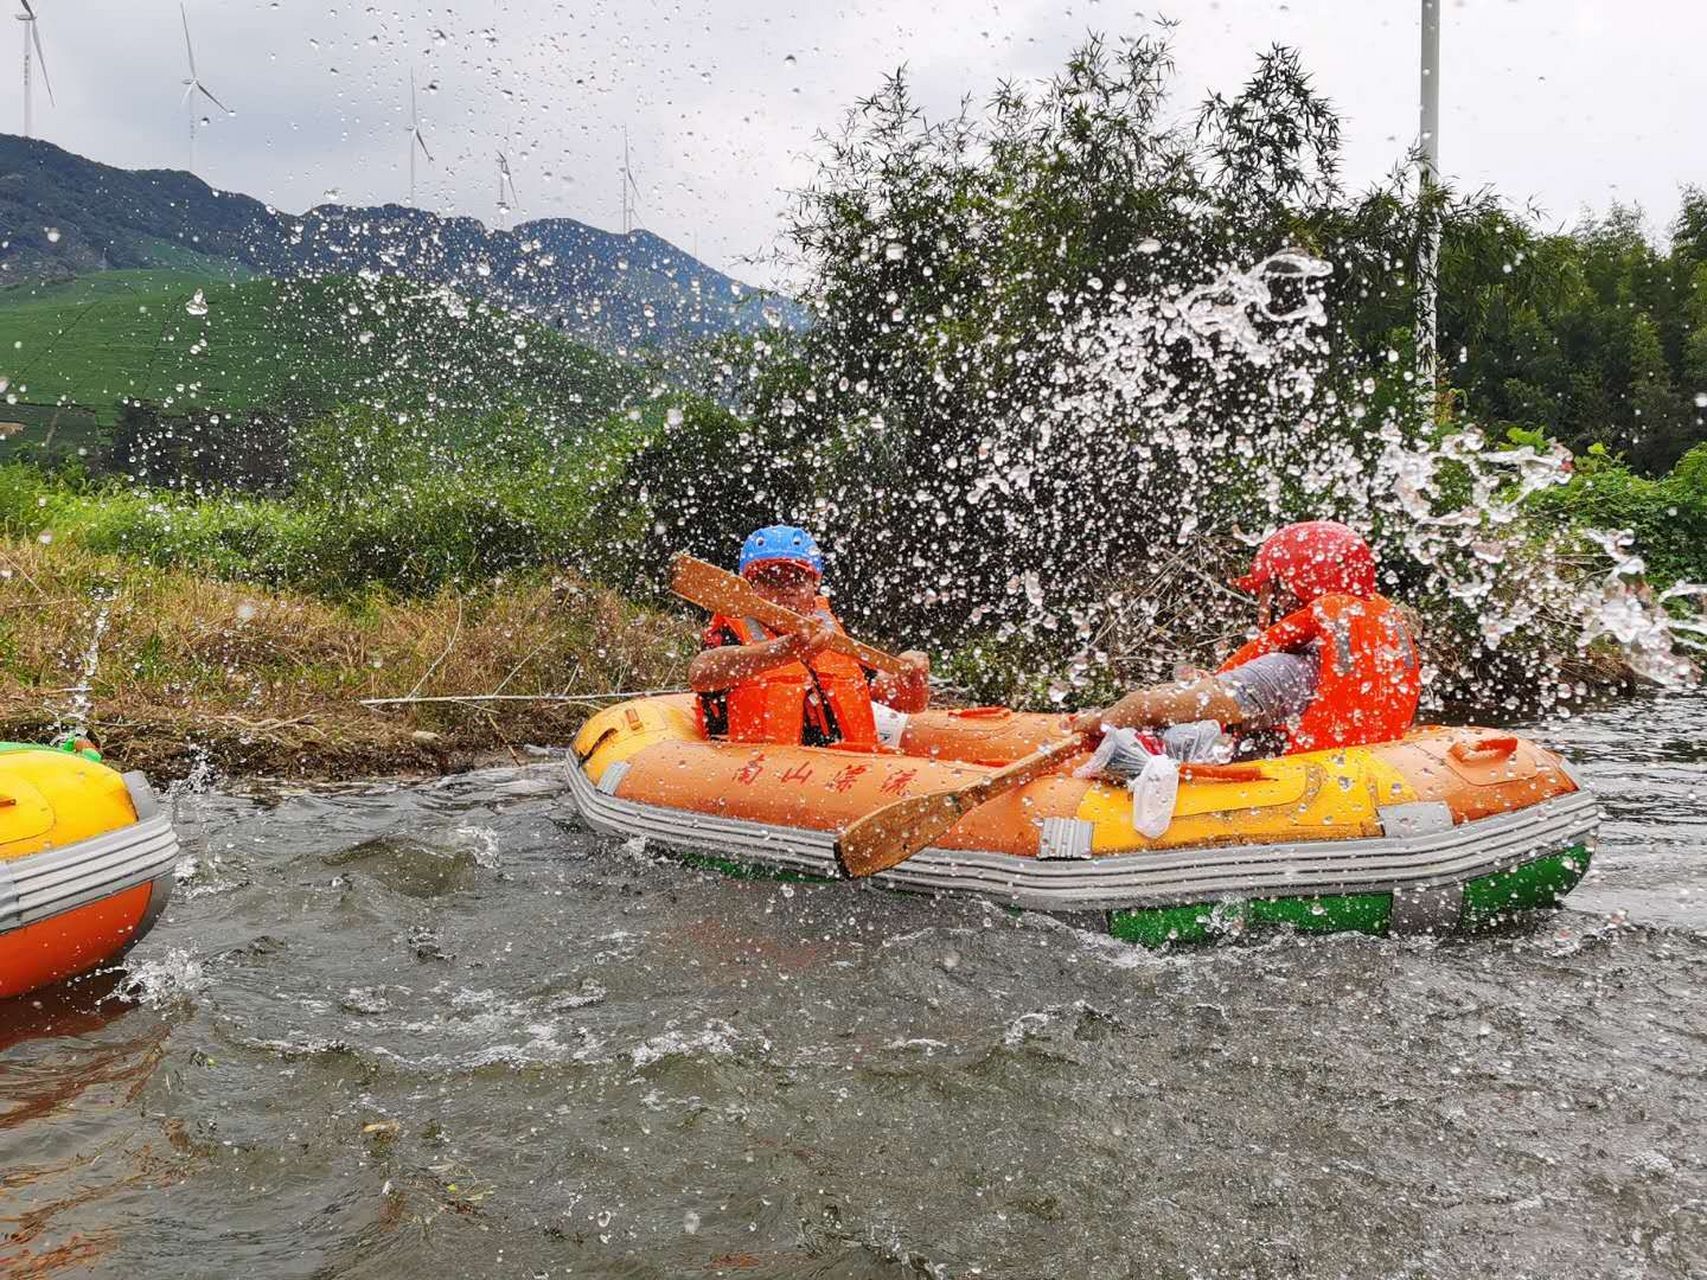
(1449, 827)
(86, 861)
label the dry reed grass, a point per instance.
(268, 681)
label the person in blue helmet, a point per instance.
(759, 685)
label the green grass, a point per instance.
(411, 537)
(290, 345)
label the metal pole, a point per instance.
(1428, 256)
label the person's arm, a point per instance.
(725, 666)
(909, 691)
(1205, 698)
(1272, 690)
(1294, 631)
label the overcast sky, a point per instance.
(1566, 103)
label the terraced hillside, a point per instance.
(185, 341)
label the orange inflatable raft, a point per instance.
(1448, 827)
(86, 862)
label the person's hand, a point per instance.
(1088, 723)
(918, 664)
(810, 640)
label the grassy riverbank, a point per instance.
(188, 668)
(246, 630)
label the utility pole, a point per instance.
(1428, 174)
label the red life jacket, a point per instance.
(1368, 677)
(830, 693)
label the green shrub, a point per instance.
(1668, 515)
(684, 474)
(27, 500)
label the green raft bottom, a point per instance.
(1488, 900)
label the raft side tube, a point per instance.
(83, 890)
(1170, 877)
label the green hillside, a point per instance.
(187, 340)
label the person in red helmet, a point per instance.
(1339, 669)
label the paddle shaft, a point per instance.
(889, 836)
(723, 592)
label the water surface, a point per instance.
(437, 1030)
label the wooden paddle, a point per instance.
(889, 836)
(723, 592)
(896, 832)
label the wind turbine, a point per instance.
(32, 37)
(505, 181)
(630, 190)
(193, 85)
(415, 139)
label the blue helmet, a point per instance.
(781, 542)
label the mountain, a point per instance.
(63, 216)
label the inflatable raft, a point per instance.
(86, 859)
(1447, 828)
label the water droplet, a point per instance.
(1701, 399)
(1149, 244)
(196, 306)
(790, 60)
(52, 235)
(894, 252)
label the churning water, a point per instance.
(436, 1030)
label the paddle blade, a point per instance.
(710, 587)
(896, 832)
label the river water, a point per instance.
(436, 1030)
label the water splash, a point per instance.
(1206, 407)
(164, 981)
(200, 778)
(77, 716)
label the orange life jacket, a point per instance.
(830, 693)
(1368, 677)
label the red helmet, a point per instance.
(1316, 558)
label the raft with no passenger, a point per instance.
(1448, 828)
(86, 864)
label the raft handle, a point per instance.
(1222, 773)
(598, 742)
(1503, 746)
